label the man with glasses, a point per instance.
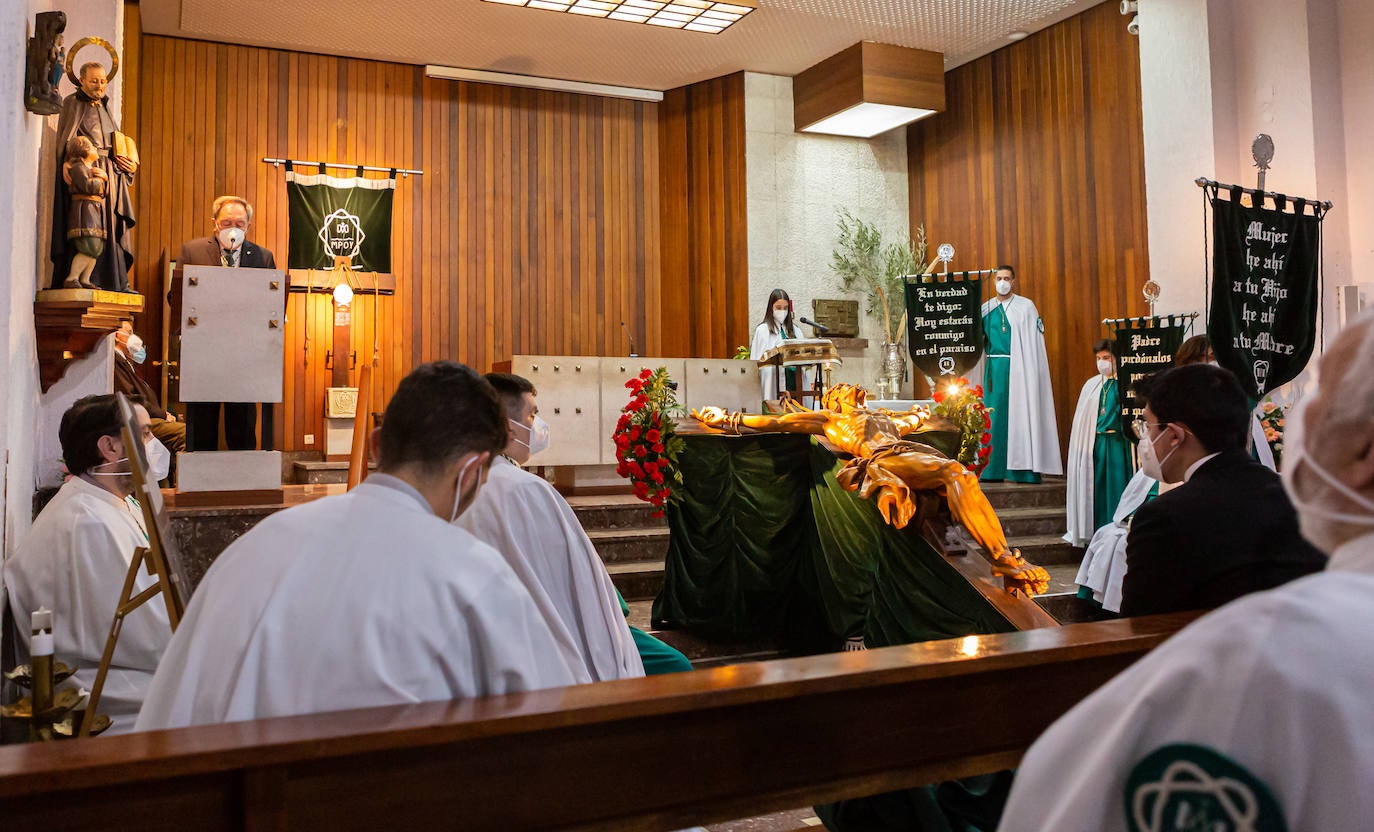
(228, 245)
(1228, 529)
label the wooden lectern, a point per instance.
(802, 352)
(233, 324)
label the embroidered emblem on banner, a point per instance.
(342, 234)
(1189, 788)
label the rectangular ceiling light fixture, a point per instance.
(692, 15)
(868, 89)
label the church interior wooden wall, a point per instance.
(1039, 161)
(534, 229)
(702, 187)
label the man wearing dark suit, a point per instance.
(129, 351)
(227, 246)
(1229, 529)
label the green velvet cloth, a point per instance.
(766, 544)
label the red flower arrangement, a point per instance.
(646, 446)
(962, 404)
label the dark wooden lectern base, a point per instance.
(202, 499)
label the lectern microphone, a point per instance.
(814, 325)
(633, 353)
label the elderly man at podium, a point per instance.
(229, 246)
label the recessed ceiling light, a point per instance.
(709, 16)
(1017, 35)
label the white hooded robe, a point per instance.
(73, 562)
(1032, 433)
(521, 516)
(352, 601)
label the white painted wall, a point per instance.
(796, 183)
(29, 419)
(1214, 74)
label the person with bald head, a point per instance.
(1256, 716)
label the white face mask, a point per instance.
(230, 238)
(780, 315)
(537, 435)
(1314, 518)
(1003, 286)
(1149, 462)
(1105, 367)
(159, 459)
(458, 508)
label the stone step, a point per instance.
(1007, 495)
(1046, 550)
(638, 580)
(312, 472)
(1032, 522)
(600, 516)
(622, 545)
(1068, 608)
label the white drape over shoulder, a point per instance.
(352, 601)
(1082, 438)
(535, 530)
(1032, 433)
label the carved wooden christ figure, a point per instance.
(888, 468)
(86, 113)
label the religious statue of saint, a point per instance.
(86, 113)
(43, 67)
(887, 468)
(87, 185)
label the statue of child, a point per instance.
(87, 183)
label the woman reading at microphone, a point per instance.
(777, 326)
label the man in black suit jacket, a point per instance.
(1229, 529)
(227, 246)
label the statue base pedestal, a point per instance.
(69, 323)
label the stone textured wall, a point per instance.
(796, 184)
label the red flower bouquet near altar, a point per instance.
(962, 404)
(646, 446)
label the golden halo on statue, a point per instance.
(91, 41)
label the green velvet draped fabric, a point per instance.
(766, 544)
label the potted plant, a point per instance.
(864, 264)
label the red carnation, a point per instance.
(665, 492)
(641, 451)
(657, 476)
(658, 447)
(634, 468)
(641, 490)
(987, 420)
(652, 435)
(979, 391)
(646, 374)
(939, 397)
(622, 470)
(634, 433)
(985, 438)
(657, 513)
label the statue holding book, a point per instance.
(86, 113)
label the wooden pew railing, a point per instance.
(656, 753)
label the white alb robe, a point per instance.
(1032, 433)
(1104, 564)
(351, 601)
(522, 517)
(1277, 681)
(1082, 438)
(73, 561)
(771, 379)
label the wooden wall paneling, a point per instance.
(1038, 160)
(540, 223)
